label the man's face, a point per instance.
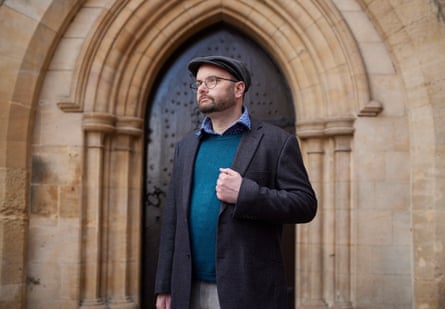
(221, 97)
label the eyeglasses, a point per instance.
(210, 82)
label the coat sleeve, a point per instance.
(277, 190)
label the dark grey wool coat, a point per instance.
(249, 264)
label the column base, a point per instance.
(314, 304)
(97, 303)
(125, 303)
(342, 305)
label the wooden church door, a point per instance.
(172, 112)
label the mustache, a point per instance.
(204, 96)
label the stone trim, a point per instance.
(323, 74)
(323, 251)
(340, 126)
(110, 256)
(107, 123)
(372, 109)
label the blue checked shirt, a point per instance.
(243, 123)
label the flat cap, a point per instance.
(235, 67)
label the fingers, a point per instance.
(228, 185)
(163, 301)
(225, 175)
(227, 171)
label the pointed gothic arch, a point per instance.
(117, 69)
(311, 42)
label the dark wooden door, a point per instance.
(172, 112)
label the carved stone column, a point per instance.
(342, 130)
(309, 249)
(92, 293)
(342, 223)
(109, 212)
(120, 212)
(323, 252)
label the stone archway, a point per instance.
(113, 80)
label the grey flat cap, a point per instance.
(235, 67)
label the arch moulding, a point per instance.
(116, 70)
(309, 40)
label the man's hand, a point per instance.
(163, 301)
(228, 185)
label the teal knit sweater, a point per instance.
(214, 152)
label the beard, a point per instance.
(208, 104)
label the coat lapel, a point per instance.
(188, 156)
(247, 148)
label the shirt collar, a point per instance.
(243, 123)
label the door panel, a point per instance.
(172, 113)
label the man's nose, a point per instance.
(203, 87)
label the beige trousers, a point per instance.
(204, 295)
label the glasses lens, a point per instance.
(211, 82)
(195, 85)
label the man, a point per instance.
(234, 184)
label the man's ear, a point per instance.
(239, 89)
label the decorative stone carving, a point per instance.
(372, 109)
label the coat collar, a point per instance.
(248, 146)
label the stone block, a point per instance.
(392, 195)
(15, 196)
(17, 28)
(397, 166)
(376, 58)
(363, 29)
(66, 55)
(44, 200)
(19, 117)
(56, 87)
(67, 244)
(52, 126)
(365, 195)
(70, 201)
(374, 227)
(56, 166)
(13, 251)
(402, 229)
(16, 154)
(387, 89)
(10, 67)
(43, 284)
(393, 292)
(11, 296)
(84, 22)
(347, 5)
(428, 294)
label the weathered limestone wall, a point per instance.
(416, 41)
(367, 77)
(29, 33)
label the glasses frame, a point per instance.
(198, 83)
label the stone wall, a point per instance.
(367, 77)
